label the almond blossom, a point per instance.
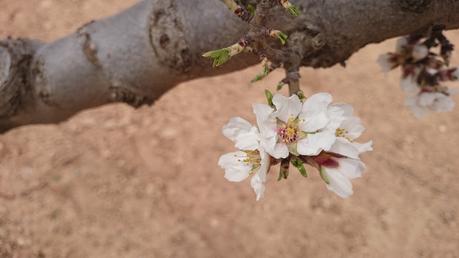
(251, 159)
(312, 131)
(423, 72)
(291, 126)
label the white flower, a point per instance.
(386, 62)
(296, 127)
(349, 130)
(420, 51)
(401, 44)
(424, 102)
(318, 120)
(340, 175)
(251, 159)
(410, 86)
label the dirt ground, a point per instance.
(118, 182)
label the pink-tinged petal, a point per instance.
(287, 107)
(236, 126)
(345, 148)
(313, 144)
(235, 169)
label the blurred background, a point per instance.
(118, 182)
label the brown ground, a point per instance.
(115, 182)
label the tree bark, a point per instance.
(139, 54)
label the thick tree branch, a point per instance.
(139, 54)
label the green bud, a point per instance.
(251, 9)
(301, 95)
(323, 175)
(269, 97)
(299, 164)
(282, 37)
(280, 85)
(262, 75)
(293, 10)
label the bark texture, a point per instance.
(139, 54)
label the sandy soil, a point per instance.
(118, 182)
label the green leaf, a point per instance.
(323, 175)
(262, 75)
(293, 10)
(220, 56)
(280, 85)
(299, 164)
(251, 9)
(282, 37)
(301, 95)
(269, 97)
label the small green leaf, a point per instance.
(299, 164)
(269, 97)
(280, 85)
(262, 75)
(293, 10)
(282, 37)
(251, 9)
(301, 95)
(323, 175)
(220, 56)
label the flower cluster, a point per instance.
(423, 72)
(297, 131)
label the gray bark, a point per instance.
(139, 54)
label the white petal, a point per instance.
(363, 147)
(258, 180)
(313, 144)
(420, 52)
(401, 44)
(337, 113)
(443, 103)
(249, 140)
(314, 115)
(412, 103)
(236, 126)
(339, 183)
(426, 99)
(280, 151)
(410, 86)
(354, 127)
(345, 148)
(385, 63)
(351, 168)
(286, 107)
(235, 169)
(265, 120)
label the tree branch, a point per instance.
(139, 54)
